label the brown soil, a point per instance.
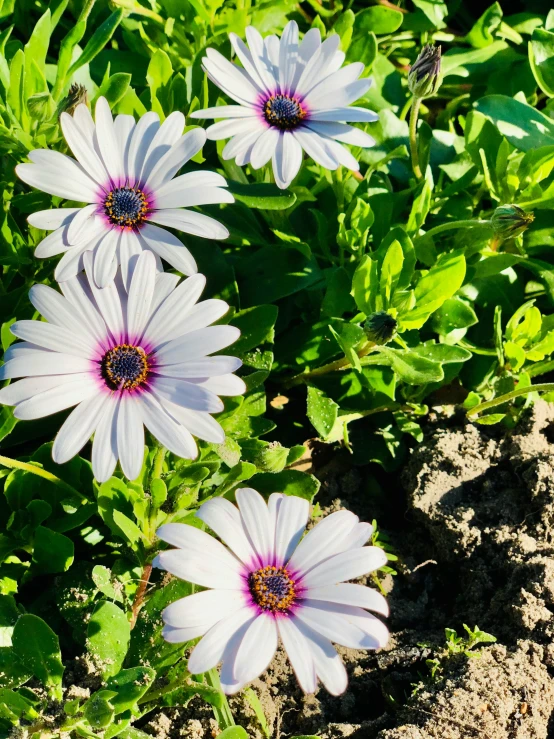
(474, 531)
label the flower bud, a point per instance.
(424, 78)
(76, 95)
(509, 221)
(380, 327)
(41, 106)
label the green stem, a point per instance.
(416, 103)
(338, 364)
(546, 387)
(450, 226)
(223, 715)
(15, 464)
(157, 465)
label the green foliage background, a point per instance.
(302, 270)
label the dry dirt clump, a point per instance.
(472, 520)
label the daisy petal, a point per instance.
(328, 664)
(224, 111)
(140, 296)
(200, 559)
(165, 429)
(202, 609)
(257, 523)
(287, 159)
(78, 428)
(180, 153)
(56, 399)
(197, 344)
(168, 247)
(82, 147)
(104, 447)
(211, 648)
(346, 566)
(60, 176)
(107, 142)
(298, 653)
(292, 517)
(224, 519)
(140, 142)
(327, 620)
(350, 594)
(265, 147)
(130, 437)
(352, 114)
(288, 56)
(329, 537)
(189, 395)
(190, 222)
(48, 220)
(256, 649)
(199, 423)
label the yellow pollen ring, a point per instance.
(273, 589)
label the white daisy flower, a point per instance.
(292, 96)
(270, 584)
(125, 172)
(125, 361)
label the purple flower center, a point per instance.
(284, 112)
(126, 207)
(272, 589)
(125, 367)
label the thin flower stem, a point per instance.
(338, 364)
(141, 591)
(15, 464)
(450, 226)
(223, 714)
(546, 387)
(157, 465)
(416, 103)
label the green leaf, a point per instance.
(439, 284)
(391, 270)
(128, 528)
(442, 353)
(98, 40)
(365, 284)
(256, 326)
(98, 710)
(453, 314)
(322, 411)
(289, 482)
(378, 19)
(233, 732)
(525, 127)
(541, 58)
(411, 368)
(482, 33)
(129, 686)
(263, 195)
(52, 552)
(108, 635)
(37, 647)
(114, 88)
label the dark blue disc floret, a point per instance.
(284, 112)
(125, 367)
(126, 206)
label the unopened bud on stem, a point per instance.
(76, 95)
(424, 78)
(509, 221)
(380, 327)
